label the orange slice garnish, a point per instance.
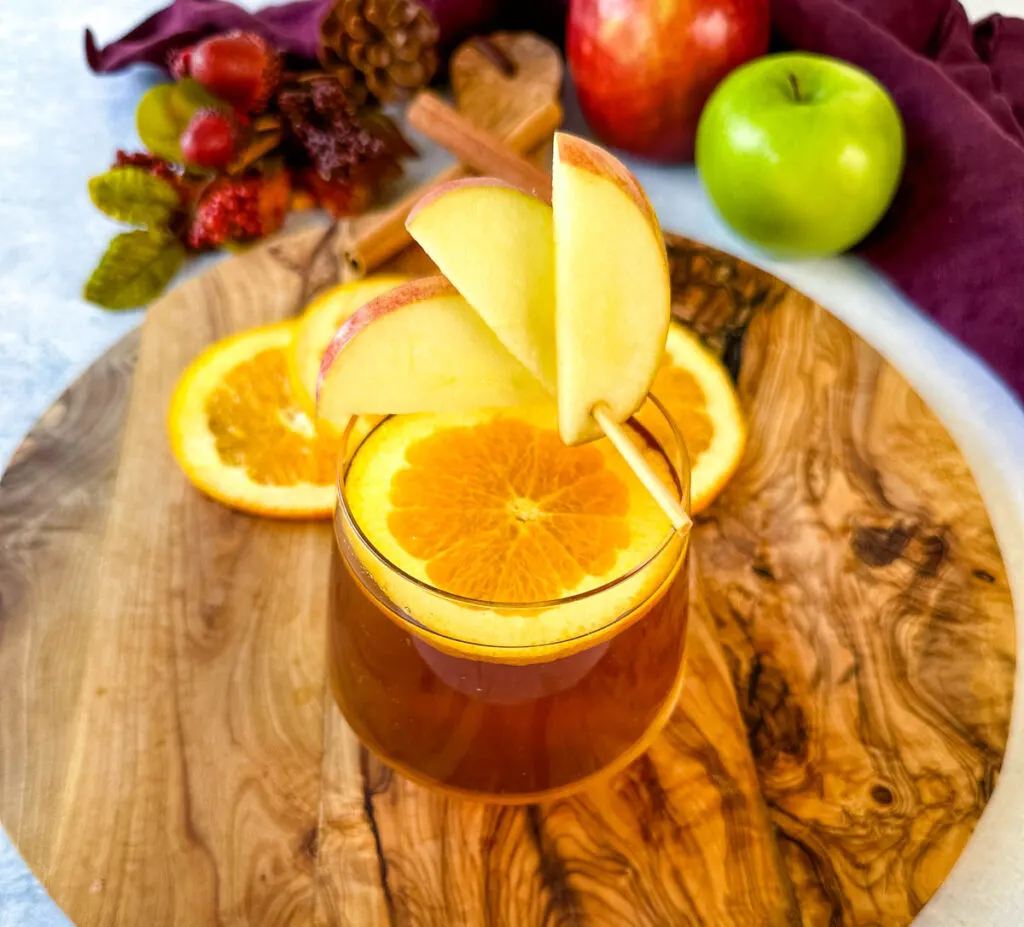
(240, 436)
(698, 394)
(492, 506)
(503, 511)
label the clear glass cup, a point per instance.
(510, 724)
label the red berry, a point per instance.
(239, 67)
(234, 209)
(228, 210)
(210, 140)
(179, 63)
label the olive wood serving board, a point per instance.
(169, 754)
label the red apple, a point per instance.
(643, 69)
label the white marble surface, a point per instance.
(62, 125)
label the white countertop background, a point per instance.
(61, 125)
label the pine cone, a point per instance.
(385, 47)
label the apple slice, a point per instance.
(419, 348)
(496, 244)
(612, 288)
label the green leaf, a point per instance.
(132, 195)
(134, 270)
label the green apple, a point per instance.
(800, 153)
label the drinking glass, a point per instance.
(510, 724)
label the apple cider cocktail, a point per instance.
(509, 601)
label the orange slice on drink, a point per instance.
(242, 437)
(492, 508)
(698, 395)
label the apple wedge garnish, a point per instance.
(419, 348)
(495, 243)
(612, 288)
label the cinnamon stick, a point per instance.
(388, 236)
(479, 150)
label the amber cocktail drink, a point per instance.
(509, 614)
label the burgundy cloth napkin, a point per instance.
(953, 240)
(291, 28)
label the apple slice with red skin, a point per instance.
(612, 288)
(495, 243)
(419, 348)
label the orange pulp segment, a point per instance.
(503, 511)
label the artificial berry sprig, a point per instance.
(233, 143)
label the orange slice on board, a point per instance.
(317, 325)
(699, 396)
(240, 435)
(492, 506)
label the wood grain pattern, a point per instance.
(850, 571)
(862, 654)
(170, 755)
(54, 499)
